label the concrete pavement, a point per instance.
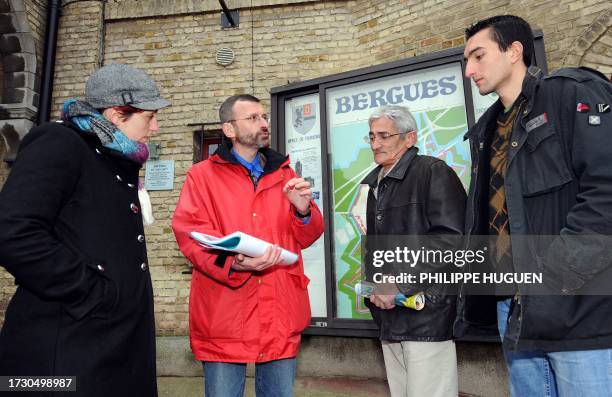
(304, 387)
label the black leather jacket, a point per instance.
(558, 182)
(421, 195)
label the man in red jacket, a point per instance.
(244, 309)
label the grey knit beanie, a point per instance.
(118, 85)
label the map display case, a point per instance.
(321, 125)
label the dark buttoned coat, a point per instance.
(71, 234)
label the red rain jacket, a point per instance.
(244, 316)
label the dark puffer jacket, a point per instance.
(558, 183)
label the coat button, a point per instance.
(144, 267)
(261, 355)
(134, 208)
(98, 151)
(119, 178)
(131, 185)
(100, 268)
(141, 238)
(254, 214)
(514, 143)
(379, 217)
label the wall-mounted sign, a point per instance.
(159, 175)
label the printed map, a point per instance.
(440, 134)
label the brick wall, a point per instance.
(397, 29)
(291, 42)
(6, 281)
(78, 43)
(277, 42)
(4, 167)
(37, 20)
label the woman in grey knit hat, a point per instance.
(72, 216)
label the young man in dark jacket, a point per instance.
(542, 167)
(417, 196)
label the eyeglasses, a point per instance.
(379, 136)
(254, 118)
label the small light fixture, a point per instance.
(154, 150)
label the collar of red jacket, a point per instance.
(273, 159)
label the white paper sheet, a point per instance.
(241, 243)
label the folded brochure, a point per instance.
(241, 243)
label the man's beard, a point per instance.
(253, 140)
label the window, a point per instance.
(205, 143)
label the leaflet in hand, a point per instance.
(241, 243)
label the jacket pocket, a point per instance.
(102, 299)
(297, 303)
(541, 163)
(217, 311)
(399, 217)
(110, 300)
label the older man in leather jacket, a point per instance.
(416, 195)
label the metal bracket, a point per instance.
(229, 18)
(232, 22)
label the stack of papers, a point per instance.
(241, 243)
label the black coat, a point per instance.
(420, 196)
(72, 236)
(558, 183)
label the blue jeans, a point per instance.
(272, 379)
(537, 373)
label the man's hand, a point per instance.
(385, 296)
(248, 264)
(384, 302)
(299, 194)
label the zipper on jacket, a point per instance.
(472, 202)
(253, 181)
(521, 114)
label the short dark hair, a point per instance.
(227, 107)
(505, 30)
(126, 111)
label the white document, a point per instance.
(241, 243)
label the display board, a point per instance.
(303, 145)
(321, 125)
(435, 97)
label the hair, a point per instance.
(400, 115)
(126, 111)
(226, 111)
(505, 30)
